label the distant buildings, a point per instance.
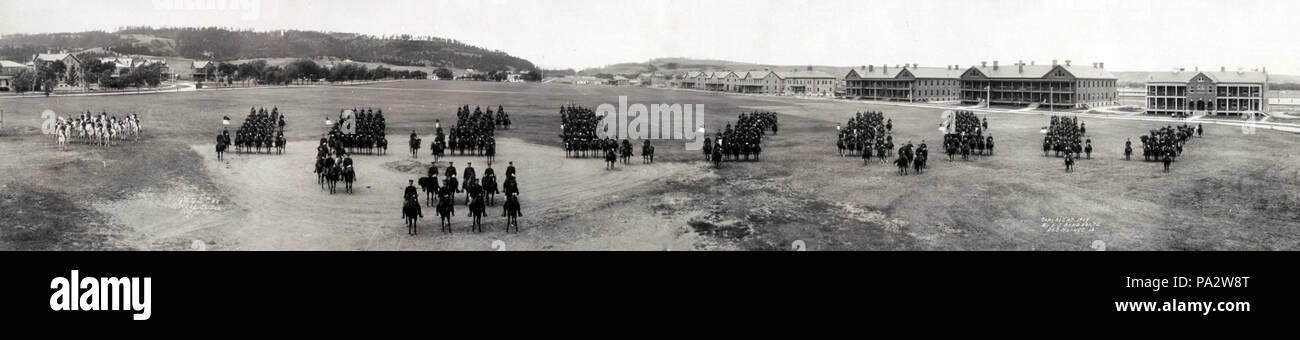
(1230, 93)
(1058, 86)
(905, 83)
(793, 82)
(72, 64)
(9, 70)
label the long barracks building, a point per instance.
(1062, 86)
(1223, 93)
(906, 83)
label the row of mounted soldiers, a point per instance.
(742, 141)
(360, 131)
(965, 136)
(864, 133)
(262, 131)
(473, 133)
(1164, 144)
(578, 132)
(1065, 136)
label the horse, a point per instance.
(717, 157)
(647, 153)
(320, 171)
(625, 152)
(1069, 163)
(903, 164)
(918, 164)
(410, 212)
(511, 212)
(1128, 152)
(445, 210)
(280, 142)
(436, 148)
(1166, 160)
(490, 150)
(490, 188)
(430, 186)
(332, 177)
(476, 212)
(349, 176)
(382, 145)
(415, 147)
(1087, 150)
(610, 159)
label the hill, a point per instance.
(226, 44)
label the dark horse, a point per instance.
(476, 211)
(410, 212)
(415, 147)
(1128, 152)
(490, 188)
(430, 186)
(445, 209)
(919, 164)
(610, 159)
(349, 176)
(647, 152)
(903, 163)
(332, 177)
(512, 212)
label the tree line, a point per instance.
(299, 71)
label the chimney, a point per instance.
(1094, 64)
(1067, 62)
(1031, 63)
(984, 64)
(915, 65)
(885, 68)
(995, 65)
(1197, 69)
(1101, 65)
(1021, 66)
(1223, 69)
(1053, 62)
(1180, 69)
(871, 68)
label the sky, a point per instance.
(1128, 35)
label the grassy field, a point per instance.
(1228, 192)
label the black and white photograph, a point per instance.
(160, 127)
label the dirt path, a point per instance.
(279, 206)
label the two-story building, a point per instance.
(1222, 93)
(1056, 85)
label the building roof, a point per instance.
(7, 63)
(1251, 77)
(201, 64)
(1040, 71)
(916, 72)
(802, 74)
(51, 57)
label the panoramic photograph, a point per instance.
(665, 125)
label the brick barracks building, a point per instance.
(1222, 93)
(1058, 86)
(905, 83)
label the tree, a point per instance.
(227, 70)
(26, 80)
(443, 73)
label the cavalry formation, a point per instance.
(965, 136)
(96, 129)
(1164, 144)
(261, 132)
(742, 141)
(334, 164)
(1067, 137)
(578, 133)
(480, 193)
(865, 134)
(473, 134)
(359, 131)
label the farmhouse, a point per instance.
(9, 70)
(72, 64)
(906, 82)
(1061, 86)
(200, 69)
(1223, 93)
